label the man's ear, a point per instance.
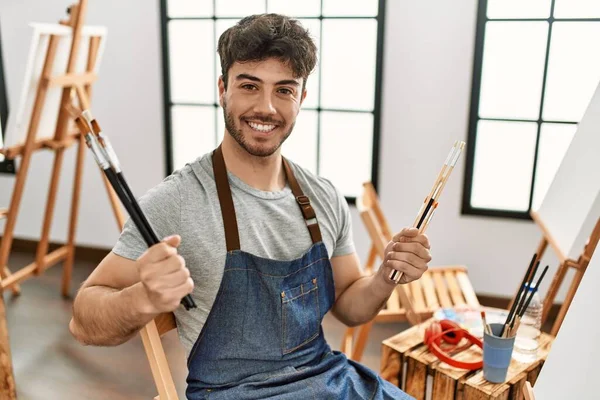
(221, 85)
(303, 97)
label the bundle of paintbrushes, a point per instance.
(431, 201)
(522, 299)
(109, 163)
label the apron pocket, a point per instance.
(300, 315)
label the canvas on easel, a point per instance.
(569, 215)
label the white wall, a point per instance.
(427, 81)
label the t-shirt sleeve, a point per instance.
(162, 207)
(344, 243)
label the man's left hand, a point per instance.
(408, 253)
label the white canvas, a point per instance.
(18, 122)
(571, 206)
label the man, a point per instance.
(263, 246)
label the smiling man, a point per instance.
(264, 246)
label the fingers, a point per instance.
(162, 250)
(406, 232)
(415, 248)
(410, 271)
(412, 235)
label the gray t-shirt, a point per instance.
(270, 225)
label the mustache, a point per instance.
(266, 120)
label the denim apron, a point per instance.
(263, 337)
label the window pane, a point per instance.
(191, 61)
(513, 62)
(193, 133)
(312, 86)
(518, 9)
(239, 8)
(304, 8)
(348, 64)
(577, 9)
(301, 145)
(503, 165)
(190, 8)
(363, 8)
(554, 142)
(350, 167)
(573, 70)
(221, 26)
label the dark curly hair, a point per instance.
(258, 37)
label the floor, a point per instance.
(49, 364)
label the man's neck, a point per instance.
(262, 173)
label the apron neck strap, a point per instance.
(303, 201)
(232, 237)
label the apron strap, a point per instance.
(232, 237)
(307, 211)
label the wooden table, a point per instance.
(406, 362)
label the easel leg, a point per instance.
(553, 290)
(7, 380)
(566, 303)
(42, 248)
(68, 265)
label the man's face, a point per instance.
(260, 104)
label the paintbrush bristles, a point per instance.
(486, 327)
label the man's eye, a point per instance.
(285, 91)
(248, 87)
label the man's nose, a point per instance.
(264, 105)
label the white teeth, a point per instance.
(261, 127)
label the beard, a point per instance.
(255, 150)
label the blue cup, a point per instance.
(497, 353)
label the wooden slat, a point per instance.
(391, 366)
(17, 150)
(387, 316)
(73, 79)
(429, 289)
(165, 322)
(528, 392)
(7, 380)
(455, 292)
(467, 289)
(440, 288)
(393, 302)
(158, 362)
(417, 297)
(416, 368)
(48, 261)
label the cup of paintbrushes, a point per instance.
(497, 353)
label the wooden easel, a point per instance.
(579, 265)
(73, 84)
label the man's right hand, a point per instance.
(164, 276)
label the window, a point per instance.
(337, 131)
(5, 165)
(536, 68)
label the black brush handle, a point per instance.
(139, 219)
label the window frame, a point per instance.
(474, 118)
(167, 103)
